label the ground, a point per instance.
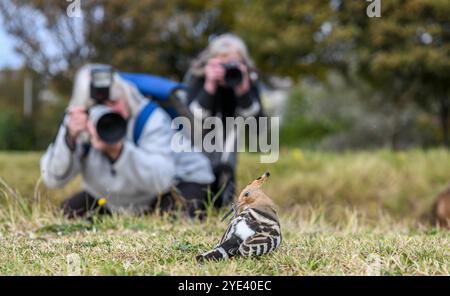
(341, 214)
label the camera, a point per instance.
(233, 74)
(111, 127)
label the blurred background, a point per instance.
(338, 78)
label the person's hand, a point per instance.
(244, 86)
(214, 74)
(112, 151)
(77, 122)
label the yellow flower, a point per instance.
(102, 201)
(401, 156)
(297, 154)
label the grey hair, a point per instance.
(120, 88)
(219, 45)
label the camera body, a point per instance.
(233, 74)
(111, 127)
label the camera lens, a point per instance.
(233, 75)
(111, 127)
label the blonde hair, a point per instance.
(119, 89)
(222, 44)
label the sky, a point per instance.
(8, 58)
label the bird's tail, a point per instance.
(218, 253)
(223, 251)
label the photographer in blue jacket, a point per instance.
(120, 143)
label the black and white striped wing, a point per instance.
(259, 244)
(243, 226)
(267, 235)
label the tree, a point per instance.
(285, 37)
(405, 53)
(153, 36)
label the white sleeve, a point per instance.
(59, 164)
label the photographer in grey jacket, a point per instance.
(124, 173)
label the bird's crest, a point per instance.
(251, 194)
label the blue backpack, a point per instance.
(158, 88)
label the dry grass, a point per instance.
(356, 213)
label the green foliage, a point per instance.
(405, 53)
(300, 128)
(306, 132)
(15, 133)
(337, 115)
(32, 132)
(280, 34)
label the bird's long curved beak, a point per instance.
(234, 208)
(264, 177)
(227, 214)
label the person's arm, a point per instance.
(149, 165)
(60, 163)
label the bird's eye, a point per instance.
(247, 194)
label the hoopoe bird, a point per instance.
(254, 229)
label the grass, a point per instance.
(341, 214)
